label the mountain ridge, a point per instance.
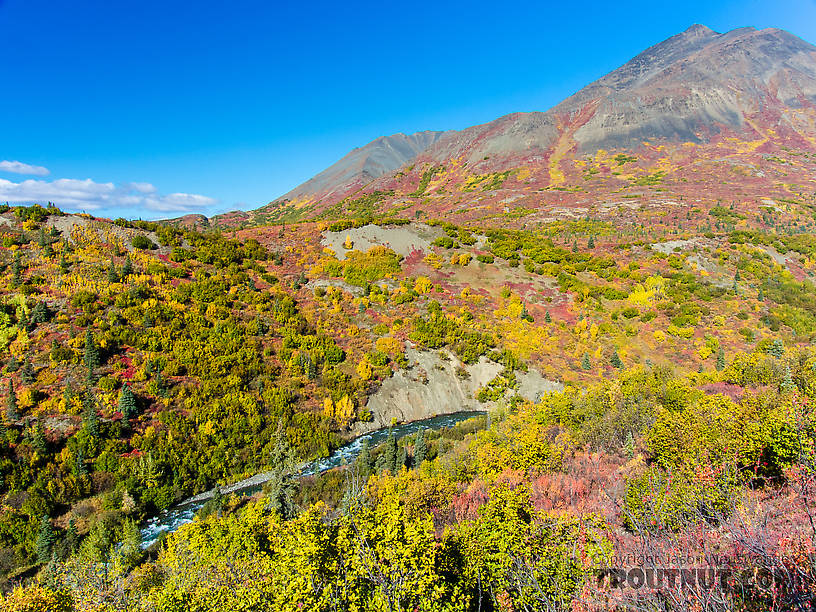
(698, 86)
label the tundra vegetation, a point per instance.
(144, 363)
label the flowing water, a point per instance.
(171, 519)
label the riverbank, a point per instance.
(171, 519)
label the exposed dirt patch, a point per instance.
(403, 240)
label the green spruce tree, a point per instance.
(402, 459)
(64, 264)
(45, 540)
(90, 418)
(39, 314)
(390, 460)
(91, 356)
(127, 402)
(27, 374)
(420, 448)
(16, 270)
(127, 268)
(71, 537)
(113, 276)
(364, 461)
(11, 404)
(38, 438)
(720, 360)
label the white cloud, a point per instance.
(138, 199)
(20, 168)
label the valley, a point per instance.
(461, 370)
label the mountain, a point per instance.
(364, 164)
(701, 95)
(686, 88)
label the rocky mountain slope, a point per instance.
(686, 88)
(698, 97)
(364, 164)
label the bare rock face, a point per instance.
(685, 88)
(364, 164)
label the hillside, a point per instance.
(623, 286)
(698, 107)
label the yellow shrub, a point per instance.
(25, 399)
(364, 370)
(433, 260)
(680, 332)
(36, 599)
(342, 410)
(423, 285)
(389, 345)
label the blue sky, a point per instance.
(156, 108)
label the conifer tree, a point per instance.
(38, 439)
(27, 372)
(616, 360)
(281, 486)
(390, 460)
(39, 314)
(127, 402)
(71, 537)
(130, 551)
(113, 276)
(720, 360)
(64, 264)
(16, 268)
(364, 461)
(45, 540)
(777, 348)
(79, 464)
(127, 268)
(547, 317)
(90, 418)
(420, 448)
(11, 404)
(402, 459)
(586, 364)
(787, 380)
(91, 356)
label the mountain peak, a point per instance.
(699, 29)
(687, 88)
(363, 164)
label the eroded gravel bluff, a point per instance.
(435, 383)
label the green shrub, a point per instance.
(140, 241)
